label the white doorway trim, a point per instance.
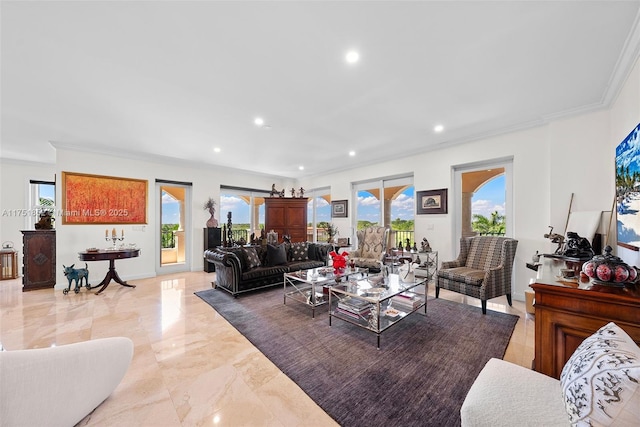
(188, 234)
(458, 170)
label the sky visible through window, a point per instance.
(403, 207)
(47, 191)
(489, 198)
(170, 209)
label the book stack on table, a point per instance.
(406, 301)
(353, 307)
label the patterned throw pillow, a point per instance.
(601, 380)
(299, 251)
(242, 256)
(252, 257)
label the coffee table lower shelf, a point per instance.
(374, 318)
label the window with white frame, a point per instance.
(387, 202)
(318, 214)
(247, 210)
(42, 197)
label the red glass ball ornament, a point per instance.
(633, 273)
(621, 274)
(589, 268)
(604, 272)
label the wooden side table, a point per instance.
(111, 256)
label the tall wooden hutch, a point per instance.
(286, 216)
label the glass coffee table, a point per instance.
(311, 287)
(376, 303)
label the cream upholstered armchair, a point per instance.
(372, 247)
(482, 270)
(59, 386)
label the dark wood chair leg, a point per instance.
(437, 291)
(509, 300)
(484, 306)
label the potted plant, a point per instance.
(332, 231)
(210, 205)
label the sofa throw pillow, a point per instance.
(299, 251)
(601, 381)
(252, 257)
(276, 255)
(242, 256)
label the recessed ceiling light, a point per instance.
(438, 128)
(259, 121)
(352, 57)
(216, 149)
(352, 153)
(301, 168)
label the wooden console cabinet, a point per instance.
(567, 313)
(286, 216)
(39, 259)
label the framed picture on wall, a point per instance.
(98, 199)
(338, 209)
(431, 201)
(627, 191)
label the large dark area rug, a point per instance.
(420, 375)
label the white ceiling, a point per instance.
(176, 79)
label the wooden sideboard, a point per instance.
(39, 259)
(568, 312)
(286, 216)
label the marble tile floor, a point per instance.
(190, 367)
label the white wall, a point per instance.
(70, 239)
(14, 192)
(550, 162)
(206, 183)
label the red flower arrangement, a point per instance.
(339, 260)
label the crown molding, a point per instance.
(155, 158)
(626, 61)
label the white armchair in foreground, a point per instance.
(59, 386)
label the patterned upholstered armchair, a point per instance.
(372, 247)
(482, 270)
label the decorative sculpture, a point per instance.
(555, 238)
(301, 192)
(229, 242)
(426, 247)
(577, 247)
(45, 222)
(77, 274)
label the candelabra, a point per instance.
(114, 238)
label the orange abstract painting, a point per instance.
(96, 199)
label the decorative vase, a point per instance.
(609, 270)
(212, 222)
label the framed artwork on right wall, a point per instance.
(628, 191)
